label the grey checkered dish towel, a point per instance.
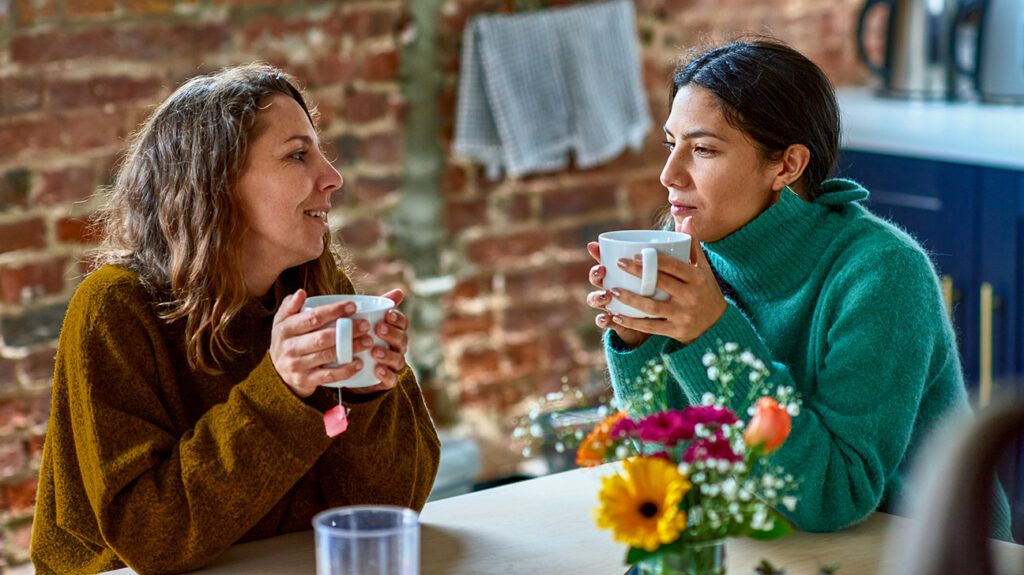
(535, 86)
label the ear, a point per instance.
(791, 168)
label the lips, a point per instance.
(681, 209)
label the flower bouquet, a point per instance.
(692, 477)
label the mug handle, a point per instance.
(649, 273)
(343, 340)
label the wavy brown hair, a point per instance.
(172, 216)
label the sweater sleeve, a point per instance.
(625, 363)
(883, 343)
(388, 455)
(166, 501)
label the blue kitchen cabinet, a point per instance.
(970, 219)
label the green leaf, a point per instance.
(638, 554)
(780, 527)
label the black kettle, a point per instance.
(917, 62)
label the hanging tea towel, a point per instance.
(535, 87)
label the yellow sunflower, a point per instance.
(641, 505)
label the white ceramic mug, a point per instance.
(648, 244)
(369, 307)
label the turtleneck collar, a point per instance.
(776, 251)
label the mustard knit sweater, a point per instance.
(152, 465)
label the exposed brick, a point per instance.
(78, 229)
(21, 282)
(12, 457)
(497, 249)
(365, 106)
(453, 180)
(13, 415)
(20, 135)
(38, 366)
(142, 43)
(539, 278)
(469, 288)
(578, 200)
(96, 91)
(67, 185)
(360, 234)
(78, 8)
(92, 130)
(32, 12)
(380, 66)
(363, 24)
(373, 189)
(21, 496)
(20, 94)
(347, 147)
(333, 69)
(8, 377)
(647, 195)
(33, 326)
(458, 325)
(153, 6)
(538, 316)
(37, 409)
(478, 364)
(382, 148)
(516, 207)
(35, 449)
(18, 540)
(14, 188)
(22, 234)
(524, 358)
(459, 215)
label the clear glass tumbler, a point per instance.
(367, 540)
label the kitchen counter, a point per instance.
(962, 132)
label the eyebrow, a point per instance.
(694, 134)
(305, 139)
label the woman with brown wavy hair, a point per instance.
(187, 409)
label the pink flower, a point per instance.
(715, 447)
(710, 415)
(665, 428)
(624, 427)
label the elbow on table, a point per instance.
(829, 517)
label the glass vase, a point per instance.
(705, 558)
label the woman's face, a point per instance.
(714, 173)
(285, 193)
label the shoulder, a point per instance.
(872, 249)
(107, 294)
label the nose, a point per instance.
(674, 174)
(330, 180)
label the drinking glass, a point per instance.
(367, 540)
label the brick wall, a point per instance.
(76, 76)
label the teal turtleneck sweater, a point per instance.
(846, 308)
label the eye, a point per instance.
(668, 145)
(704, 152)
(299, 155)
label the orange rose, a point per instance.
(769, 427)
(591, 452)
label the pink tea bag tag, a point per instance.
(336, 420)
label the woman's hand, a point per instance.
(299, 348)
(601, 298)
(391, 360)
(695, 301)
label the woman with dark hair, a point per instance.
(187, 410)
(840, 305)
